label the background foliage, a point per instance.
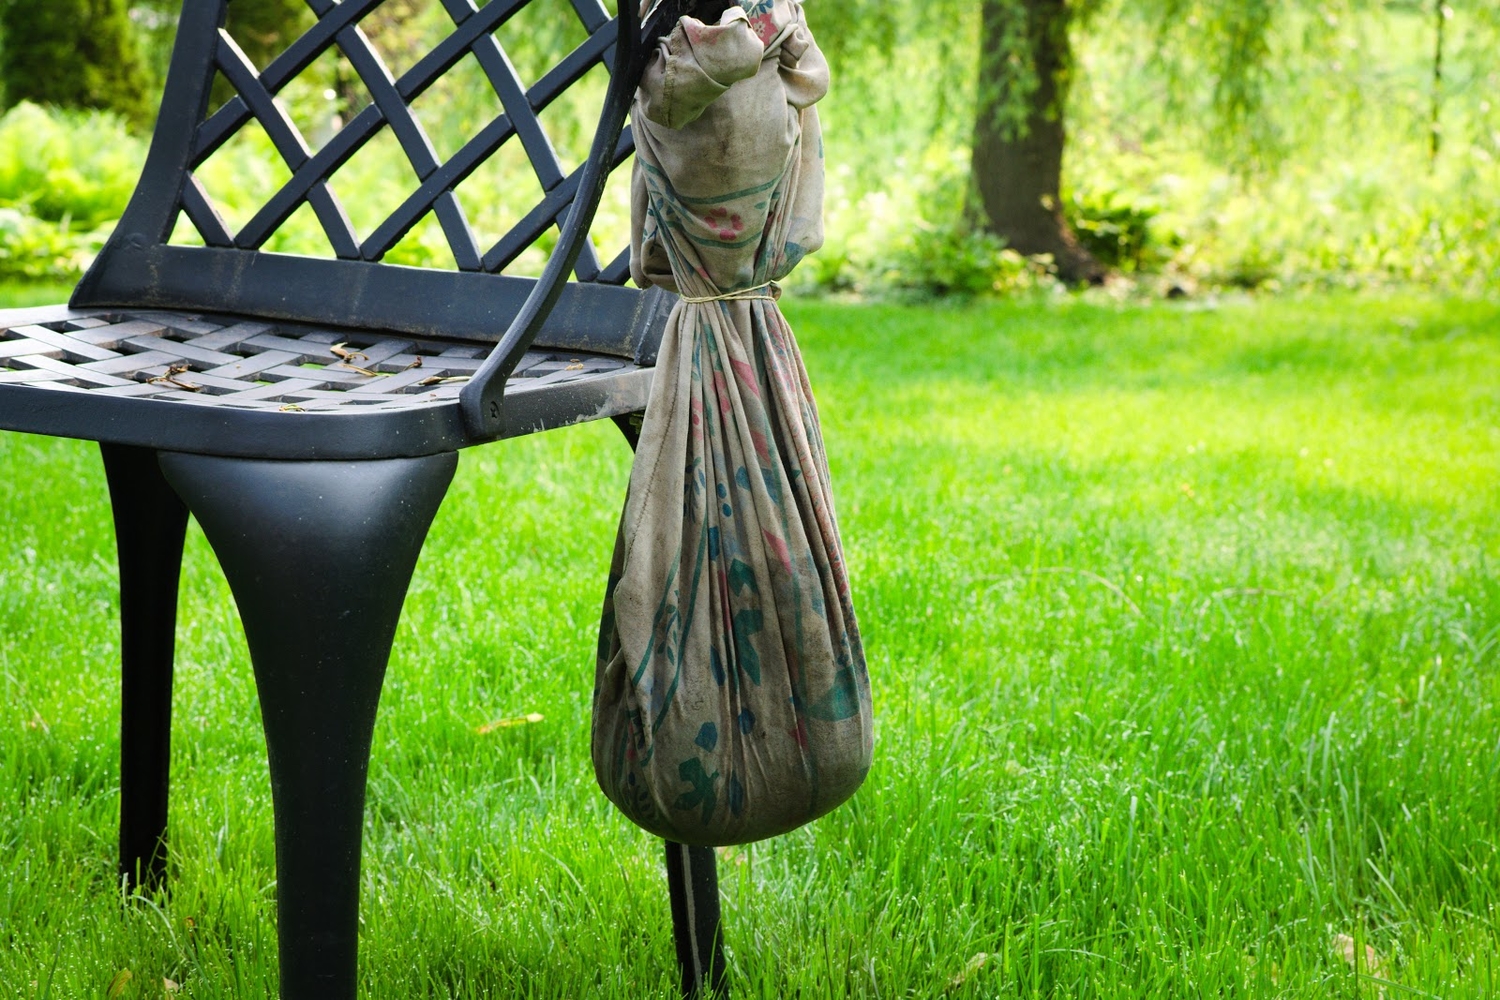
(1304, 162)
(1276, 144)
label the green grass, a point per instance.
(16, 294)
(1183, 625)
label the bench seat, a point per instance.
(238, 386)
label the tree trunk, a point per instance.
(1017, 164)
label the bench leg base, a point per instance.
(319, 556)
(150, 522)
(693, 886)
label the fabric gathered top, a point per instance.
(729, 152)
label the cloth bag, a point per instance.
(731, 700)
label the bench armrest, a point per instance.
(482, 400)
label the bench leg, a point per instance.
(692, 874)
(149, 525)
(693, 886)
(319, 556)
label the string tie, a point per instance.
(769, 292)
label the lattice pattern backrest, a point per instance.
(231, 271)
(475, 30)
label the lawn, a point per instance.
(1183, 625)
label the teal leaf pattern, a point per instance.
(841, 700)
(702, 794)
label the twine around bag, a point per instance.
(769, 292)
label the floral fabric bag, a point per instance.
(731, 699)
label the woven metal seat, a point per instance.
(227, 376)
(300, 403)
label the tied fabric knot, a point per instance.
(769, 292)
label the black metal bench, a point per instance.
(300, 407)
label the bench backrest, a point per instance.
(232, 272)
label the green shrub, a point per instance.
(956, 259)
(74, 54)
(64, 179)
(36, 249)
(1116, 231)
(72, 166)
(911, 237)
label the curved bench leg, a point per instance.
(149, 525)
(319, 556)
(693, 886)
